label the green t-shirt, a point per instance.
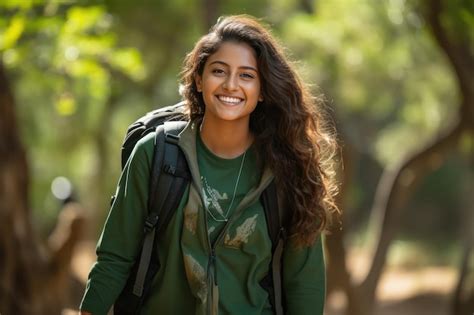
(225, 182)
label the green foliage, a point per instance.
(459, 20)
(380, 67)
(81, 70)
(62, 58)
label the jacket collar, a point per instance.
(187, 142)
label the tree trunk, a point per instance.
(99, 194)
(395, 188)
(211, 11)
(463, 296)
(20, 258)
(396, 185)
(31, 282)
(307, 6)
(338, 274)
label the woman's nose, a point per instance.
(231, 82)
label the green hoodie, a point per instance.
(207, 267)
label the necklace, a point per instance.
(214, 197)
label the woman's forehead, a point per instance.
(234, 54)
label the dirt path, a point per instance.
(422, 290)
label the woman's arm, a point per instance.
(304, 279)
(120, 240)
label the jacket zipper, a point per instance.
(211, 268)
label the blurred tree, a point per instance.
(74, 48)
(70, 42)
(377, 62)
(17, 273)
(31, 282)
(398, 183)
(455, 35)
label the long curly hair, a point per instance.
(291, 129)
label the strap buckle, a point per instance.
(282, 233)
(150, 223)
(170, 169)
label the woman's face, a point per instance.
(230, 83)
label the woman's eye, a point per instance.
(218, 71)
(247, 75)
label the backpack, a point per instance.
(169, 178)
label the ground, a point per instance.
(425, 291)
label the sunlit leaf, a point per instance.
(66, 105)
(82, 19)
(86, 68)
(11, 57)
(129, 61)
(15, 4)
(13, 32)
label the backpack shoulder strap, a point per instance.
(168, 180)
(175, 166)
(275, 215)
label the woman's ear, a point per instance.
(198, 81)
(260, 98)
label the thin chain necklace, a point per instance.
(212, 195)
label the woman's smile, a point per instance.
(230, 84)
(229, 100)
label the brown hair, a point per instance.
(290, 128)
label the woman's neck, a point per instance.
(226, 139)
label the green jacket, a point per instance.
(195, 277)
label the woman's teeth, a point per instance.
(228, 99)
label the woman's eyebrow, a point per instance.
(241, 67)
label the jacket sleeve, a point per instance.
(304, 279)
(119, 243)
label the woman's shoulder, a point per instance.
(147, 141)
(144, 148)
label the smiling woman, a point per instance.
(230, 87)
(253, 125)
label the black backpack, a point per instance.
(170, 173)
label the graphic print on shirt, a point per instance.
(242, 233)
(212, 198)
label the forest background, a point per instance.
(397, 77)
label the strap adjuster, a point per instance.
(150, 223)
(170, 169)
(171, 138)
(282, 233)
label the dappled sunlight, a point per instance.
(399, 284)
(83, 260)
(402, 290)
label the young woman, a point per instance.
(252, 121)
